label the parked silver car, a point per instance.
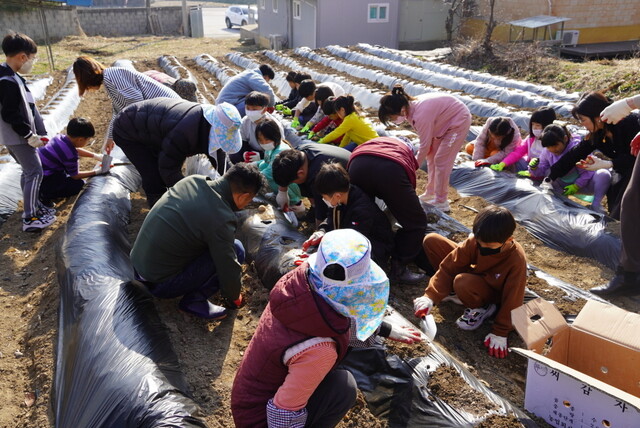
(238, 15)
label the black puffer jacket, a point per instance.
(171, 129)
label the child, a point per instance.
(22, 128)
(528, 153)
(256, 104)
(499, 137)
(330, 121)
(324, 91)
(268, 133)
(557, 141)
(355, 129)
(60, 161)
(487, 269)
(308, 106)
(288, 375)
(285, 106)
(350, 207)
(442, 123)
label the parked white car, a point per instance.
(237, 15)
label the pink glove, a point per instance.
(405, 335)
(497, 345)
(635, 145)
(421, 306)
(482, 162)
(251, 157)
(313, 241)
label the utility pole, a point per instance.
(185, 19)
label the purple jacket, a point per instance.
(59, 155)
(576, 175)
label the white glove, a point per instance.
(36, 141)
(497, 345)
(616, 112)
(251, 157)
(546, 186)
(405, 334)
(594, 163)
(282, 198)
(421, 306)
(313, 240)
(97, 156)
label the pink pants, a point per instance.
(440, 157)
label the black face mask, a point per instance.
(484, 251)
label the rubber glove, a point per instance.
(310, 135)
(524, 174)
(616, 112)
(482, 162)
(571, 189)
(533, 163)
(314, 240)
(295, 123)
(306, 128)
(545, 186)
(282, 198)
(594, 163)
(251, 157)
(270, 110)
(286, 111)
(497, 345)
(635, 145)
(405, 334)
(421, 306)
(498, 167)
(239, 302)
(279, 107)
(36, 141)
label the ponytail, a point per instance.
(347, 102)
(501, 126)
(554, 134)
(392, 103)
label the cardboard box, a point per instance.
(583, 375)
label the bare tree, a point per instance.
(491, 25)
(458, 9)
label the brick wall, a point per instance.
(61, 22)
(583, 13)
(128, 21)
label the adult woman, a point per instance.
(442, 123)
(612, 140)
(124, 86)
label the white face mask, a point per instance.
(254, 115)
(27, 66)
(268, 146)
(400, 120)
(328, 203)
(537, 133)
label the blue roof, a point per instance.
(76, 2)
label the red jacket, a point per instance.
(389, 148)
(294, 314)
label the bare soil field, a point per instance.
(209, 352)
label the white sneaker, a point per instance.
(473, 318)
(427, 199)
(36, 224)
(442, 206)
(46, 211)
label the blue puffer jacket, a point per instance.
(239, 87)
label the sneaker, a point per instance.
(36, 224)
(473, 318)
(427, 199)
(203, 309)
(46, 211)
(453, 297)
(442, 206)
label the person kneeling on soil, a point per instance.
(487, 269)
(350, 207)
(288, 375)
(186, 245)
(158, 135)
(60, 161)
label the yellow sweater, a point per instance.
(353, 128)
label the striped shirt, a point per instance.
(59, 155)
(126, 87)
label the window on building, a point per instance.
(262, 4)
(275, 6)
(378, 12)
(297, 9)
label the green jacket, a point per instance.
(193, 216)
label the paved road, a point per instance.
(214, 26)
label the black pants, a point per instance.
(629, 230)
(388, 180)
(59, 185)
(331, 400)
(614, 196)
(146, 162)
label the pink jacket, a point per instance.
(480, 147)
(433, 116)
(529, 149)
